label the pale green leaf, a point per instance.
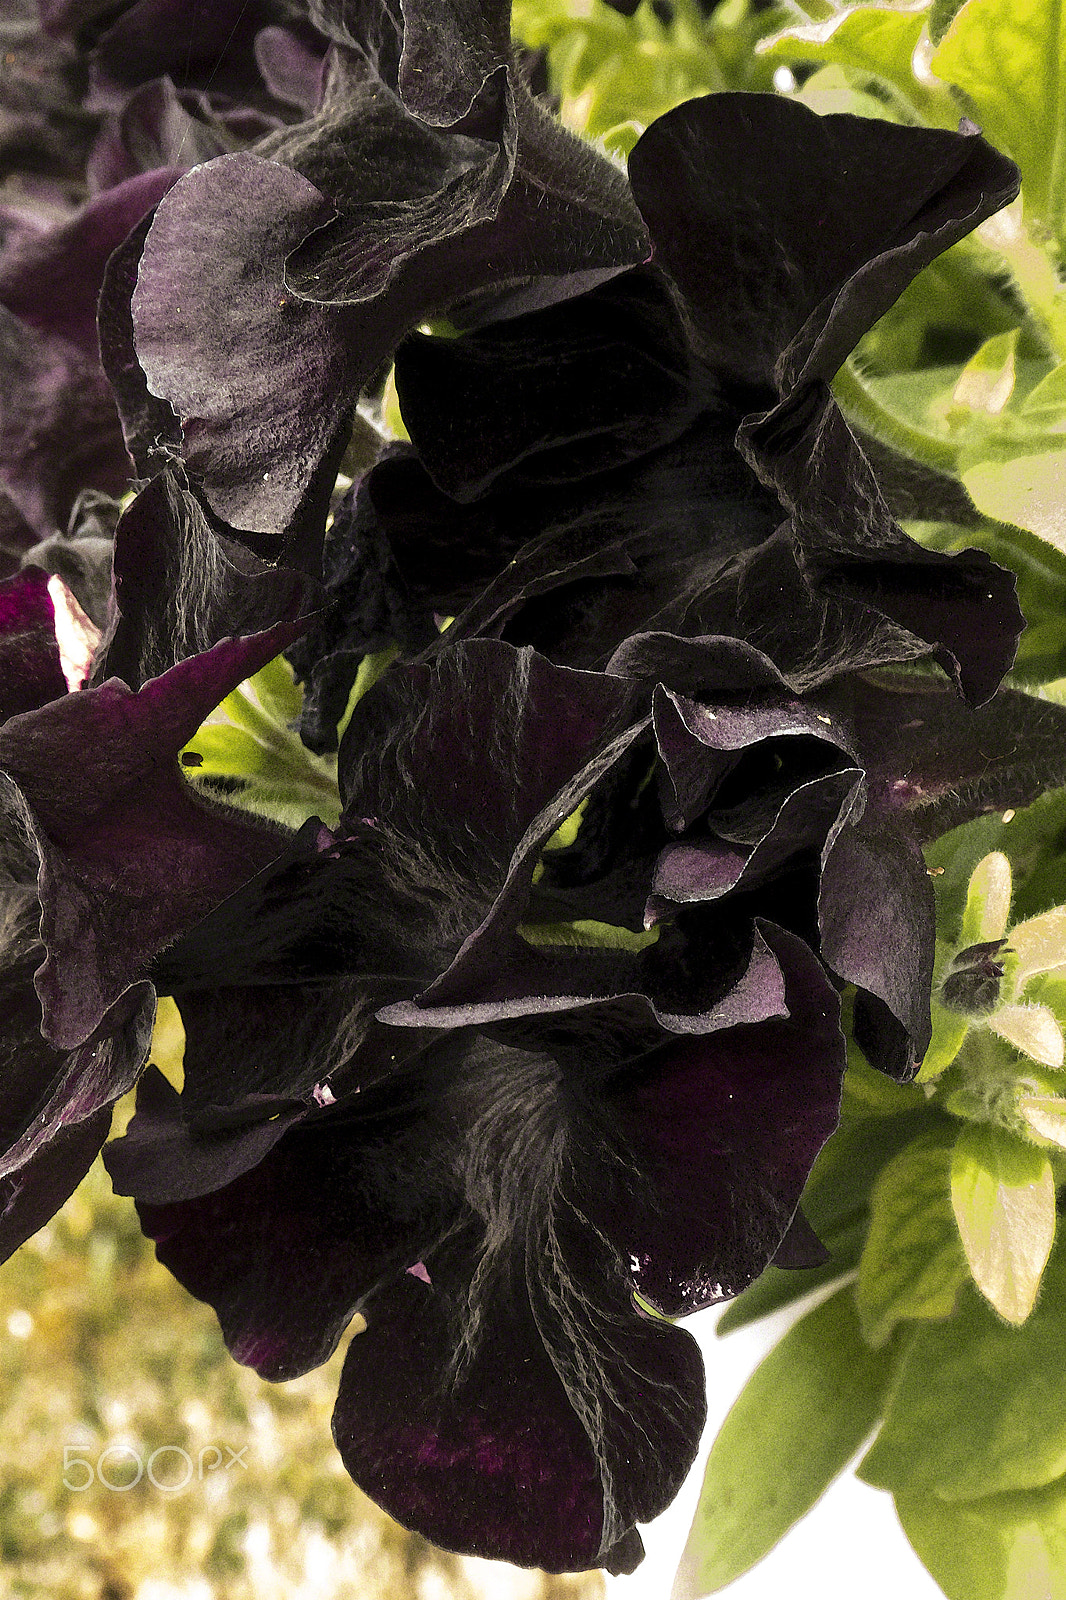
(587, 935)
(1003, 1196)
(1039, 944)
(1028, 491)
(1004, 1547)
(796, 1425)
(1007, 56)
(913, 1265)
(987, 901)
(1045, 1114)
(986, 382)
(1032, 1029)
(978, 1406)
(879, 40)
(833, 90)
(277, 691)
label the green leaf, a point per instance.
(913, 1265)
(1045, 1113)
(949, 1030)
(795, 1426)
(1045, 405)
(941, 16)
(877, 40)
(1039, 945)
(1005, 1547)
(1029, 836)
(1032, 1029)
(978, 1406)
(867, 1092)
(986, 382)
(371, 668)
(1007, 57)
(834, 89)
(1003, 1197)
(277, 691)
(587, 935)
(226, 752)
(987, 901)
(1026, 490)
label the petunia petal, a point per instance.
(262, 382)
(122, 798)
(724, 1130)
(31, 672)
(789, 234)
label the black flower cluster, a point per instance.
(507, 1091)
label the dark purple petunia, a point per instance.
(516, 1104)
(59, 429)
(606, 1121)
(91, 885)
(675, 426)
(415, 1088)
(330, 240)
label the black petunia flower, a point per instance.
(665, 451)
(491, 1181)
(431, 1077)
(273, 284)
(506, 1099)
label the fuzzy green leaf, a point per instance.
(913, 1265)
(876, 40)
(1003, 1197)
(1005, 1547)
(978, 1407)
(796, 1425)
(987, 900)
(1024, 490)
(1007, 57)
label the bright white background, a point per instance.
(849, 1545)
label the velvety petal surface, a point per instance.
(31, 672)
(477, 758)
(789, 234)
(33, 1194)
(263, 383)
(567, 396)
(520, 1458)
(58, 434)
(130, 855)
(51, 281)
(723, 1131)
(181, 587)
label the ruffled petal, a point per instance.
(789, 234)
(123, 801)
(723, 1131)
